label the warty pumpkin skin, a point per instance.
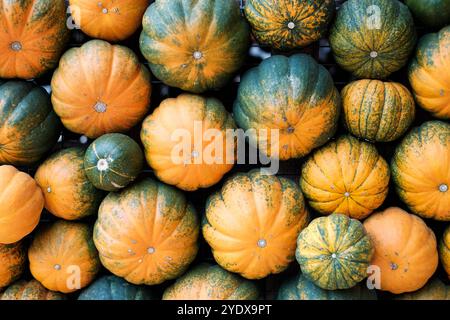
(346, 176)
(33, 34)
(21, 204)
(432, 13)
(287, 24)
(429, 81)
(195, 117)
(12, 262)
(334, 252)
(252, 223)
(147, 233)
(62, 254)
(28, 125)
(211, 282)
(295, 96)
(376, 110)
(421, 170)
(100, 88)
(30, 290)
(405, 250)
(68, 192)
(372, 38)
(444, 251)
(194, 45)
(434, 290)
(111, 20)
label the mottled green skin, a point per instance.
(28, 125)
(353, 37)
(300, 288)
(432, 13)
(115, 288)
(124, 158)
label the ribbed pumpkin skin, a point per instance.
(287, 24)
(434, 290)
(444, 251)
(57, 249)
(211, 282)
(100, 88)
(147, 233)
(28, 125)
(113, 161)
(253, 222)
(295, 95)
(115, 288)
(30, 290)
(346, 176)
(68, 192)
(198, 168)
(431, 86)
(421, 170)
(194, 45)
(12, 262)
(405, 250)
(376, 110)
(300, 288)
(21, 205)
(111, 20)
(334, 252)
(366, 51)
(33, 35)
(432, 13)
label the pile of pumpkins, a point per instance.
(147, 230)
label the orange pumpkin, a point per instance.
(111, 20)
(405, 250)
(30, 290)
(196, 118)
(20, 206)
(444, 251)
(433, 290)
(63, 256)
(100, 88)
(12, 262)
(252, 224)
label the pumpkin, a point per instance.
(20, 206)
(147, 233)
(12, 262)
(28, 125)
(111, 20)
(432, 13)
(252, 223)
(63, 256)
(433, 290)
(346, 176)
(211, 282)
(288, 105)
(194, 45)
(334, 252)
(377, 111)
(114, 288)
(300, 288)
(113, 161)
(32, 37)
(431, 86)
(421, 170)
(405, 250)
(30, 290)
(198, 125)
(288, 24)
(68, 192)
(444, 251)
(100, 88)
(372, 38)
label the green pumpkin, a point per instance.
(29, 127)
(432, 13)
(334, 252)
(300, 288)
(433, 290)
(115, 288)
(113, 161)
(372, 38)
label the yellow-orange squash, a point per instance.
(405, 250)
(444, 251)
(63, 256)
(346, 176)
(30, 290)
(12, 262)
(21, 204)
(147, 233)
(433, 290)
(186, 141)
(100, 88)
(252, 223)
